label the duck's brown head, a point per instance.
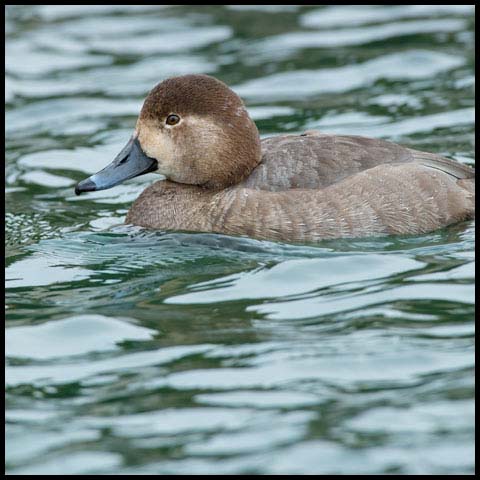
(193, 129)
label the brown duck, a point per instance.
(221, 178)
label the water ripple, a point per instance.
(137, 352)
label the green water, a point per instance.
(146, 352)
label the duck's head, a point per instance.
(193, 129)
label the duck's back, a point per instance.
(315, 160)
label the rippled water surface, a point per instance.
(147, 352)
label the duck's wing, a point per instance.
(316, 160)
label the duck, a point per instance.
(219, 177)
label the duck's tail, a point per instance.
(446, 165)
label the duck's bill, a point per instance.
(129, 163)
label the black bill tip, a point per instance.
(85, 186)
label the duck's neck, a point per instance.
(173, 206)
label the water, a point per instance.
(143, 352)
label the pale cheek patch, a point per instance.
(188, 152)
(158, 145)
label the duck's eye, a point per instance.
(172, 119)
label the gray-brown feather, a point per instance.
(384, 200)
(318, 160)
(314, 187)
